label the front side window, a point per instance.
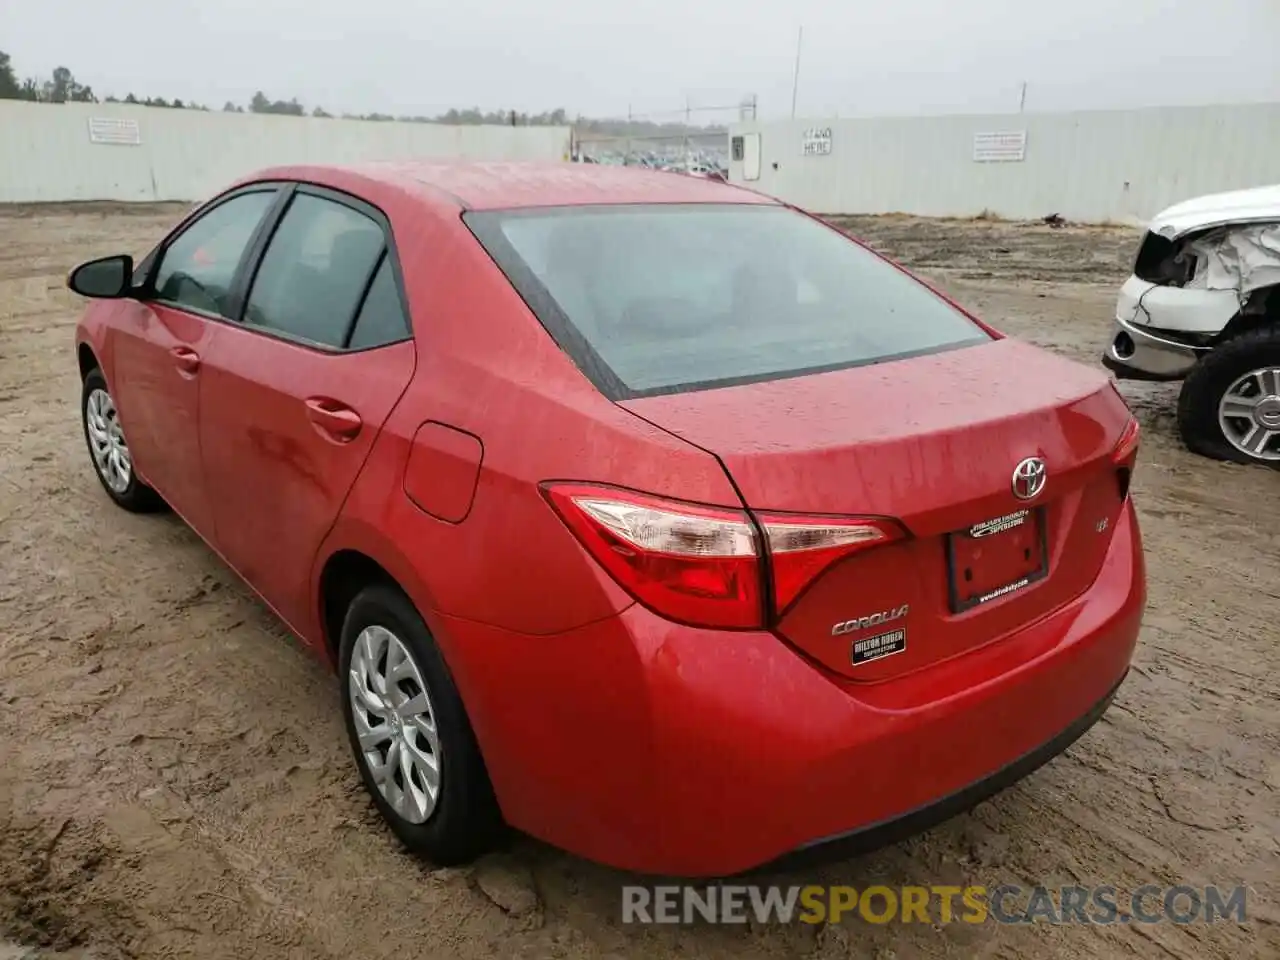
(315, 271)
(196, 270)
(669, 298)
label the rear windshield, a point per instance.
(655, 299)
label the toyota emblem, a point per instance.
(1028, 478)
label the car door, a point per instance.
(162, 335)
(293, 395)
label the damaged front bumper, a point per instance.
(1157, 329)
(1137, 354)
(1191, 279)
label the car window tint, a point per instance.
(686, 296)
(197, 269)
(315, 270)
(381, 317)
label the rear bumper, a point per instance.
(878, 835)
(665, 749)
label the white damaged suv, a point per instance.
(1203, 306)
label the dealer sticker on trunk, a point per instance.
(999, 524)
(881, 645)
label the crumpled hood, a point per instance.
(1243, 258)
(1216, 209)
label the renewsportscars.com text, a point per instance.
(1005, 904)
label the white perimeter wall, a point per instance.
(46, 154)
(1096, 166)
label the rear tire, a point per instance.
(108, 451)
(409, 732)
(1229, 407)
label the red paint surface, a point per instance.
(607, 728)
(443, 470)
(931, 442)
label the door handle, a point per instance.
(187, 360)
(339, 421)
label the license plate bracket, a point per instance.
(996, 558)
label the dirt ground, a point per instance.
(174, 780)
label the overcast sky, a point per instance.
(599, 57)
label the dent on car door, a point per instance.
(160, 337)
(293, 396)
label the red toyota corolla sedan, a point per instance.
(642, 513)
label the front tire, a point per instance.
(108, 451)
(1229, 407)
(409, 732)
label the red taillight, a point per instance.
(703, 565)
(691, 563)
(801, 548)
(1127, 446)
(1125, 455)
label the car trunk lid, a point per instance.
(932, 442)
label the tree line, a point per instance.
(62, 87)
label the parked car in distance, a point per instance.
(1203, 306)
(707, 173)
(641, 513)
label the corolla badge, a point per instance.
(874, 620)
(1029, 478)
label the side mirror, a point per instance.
(107, 278)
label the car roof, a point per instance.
(473, 185)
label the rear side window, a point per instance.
(381, 318)
(659, 299)
(315, 271)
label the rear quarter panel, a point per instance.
(487, 367)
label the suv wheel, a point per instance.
(412, 741)
(1229, 408)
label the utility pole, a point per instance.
(687, 112)
(1022, 100)
(626, 158)
(795, 80)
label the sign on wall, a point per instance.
(816, 142)
(114, 131)
(1002, 147)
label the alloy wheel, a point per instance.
(106, 441)
(1249, 414)
(395, 724)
